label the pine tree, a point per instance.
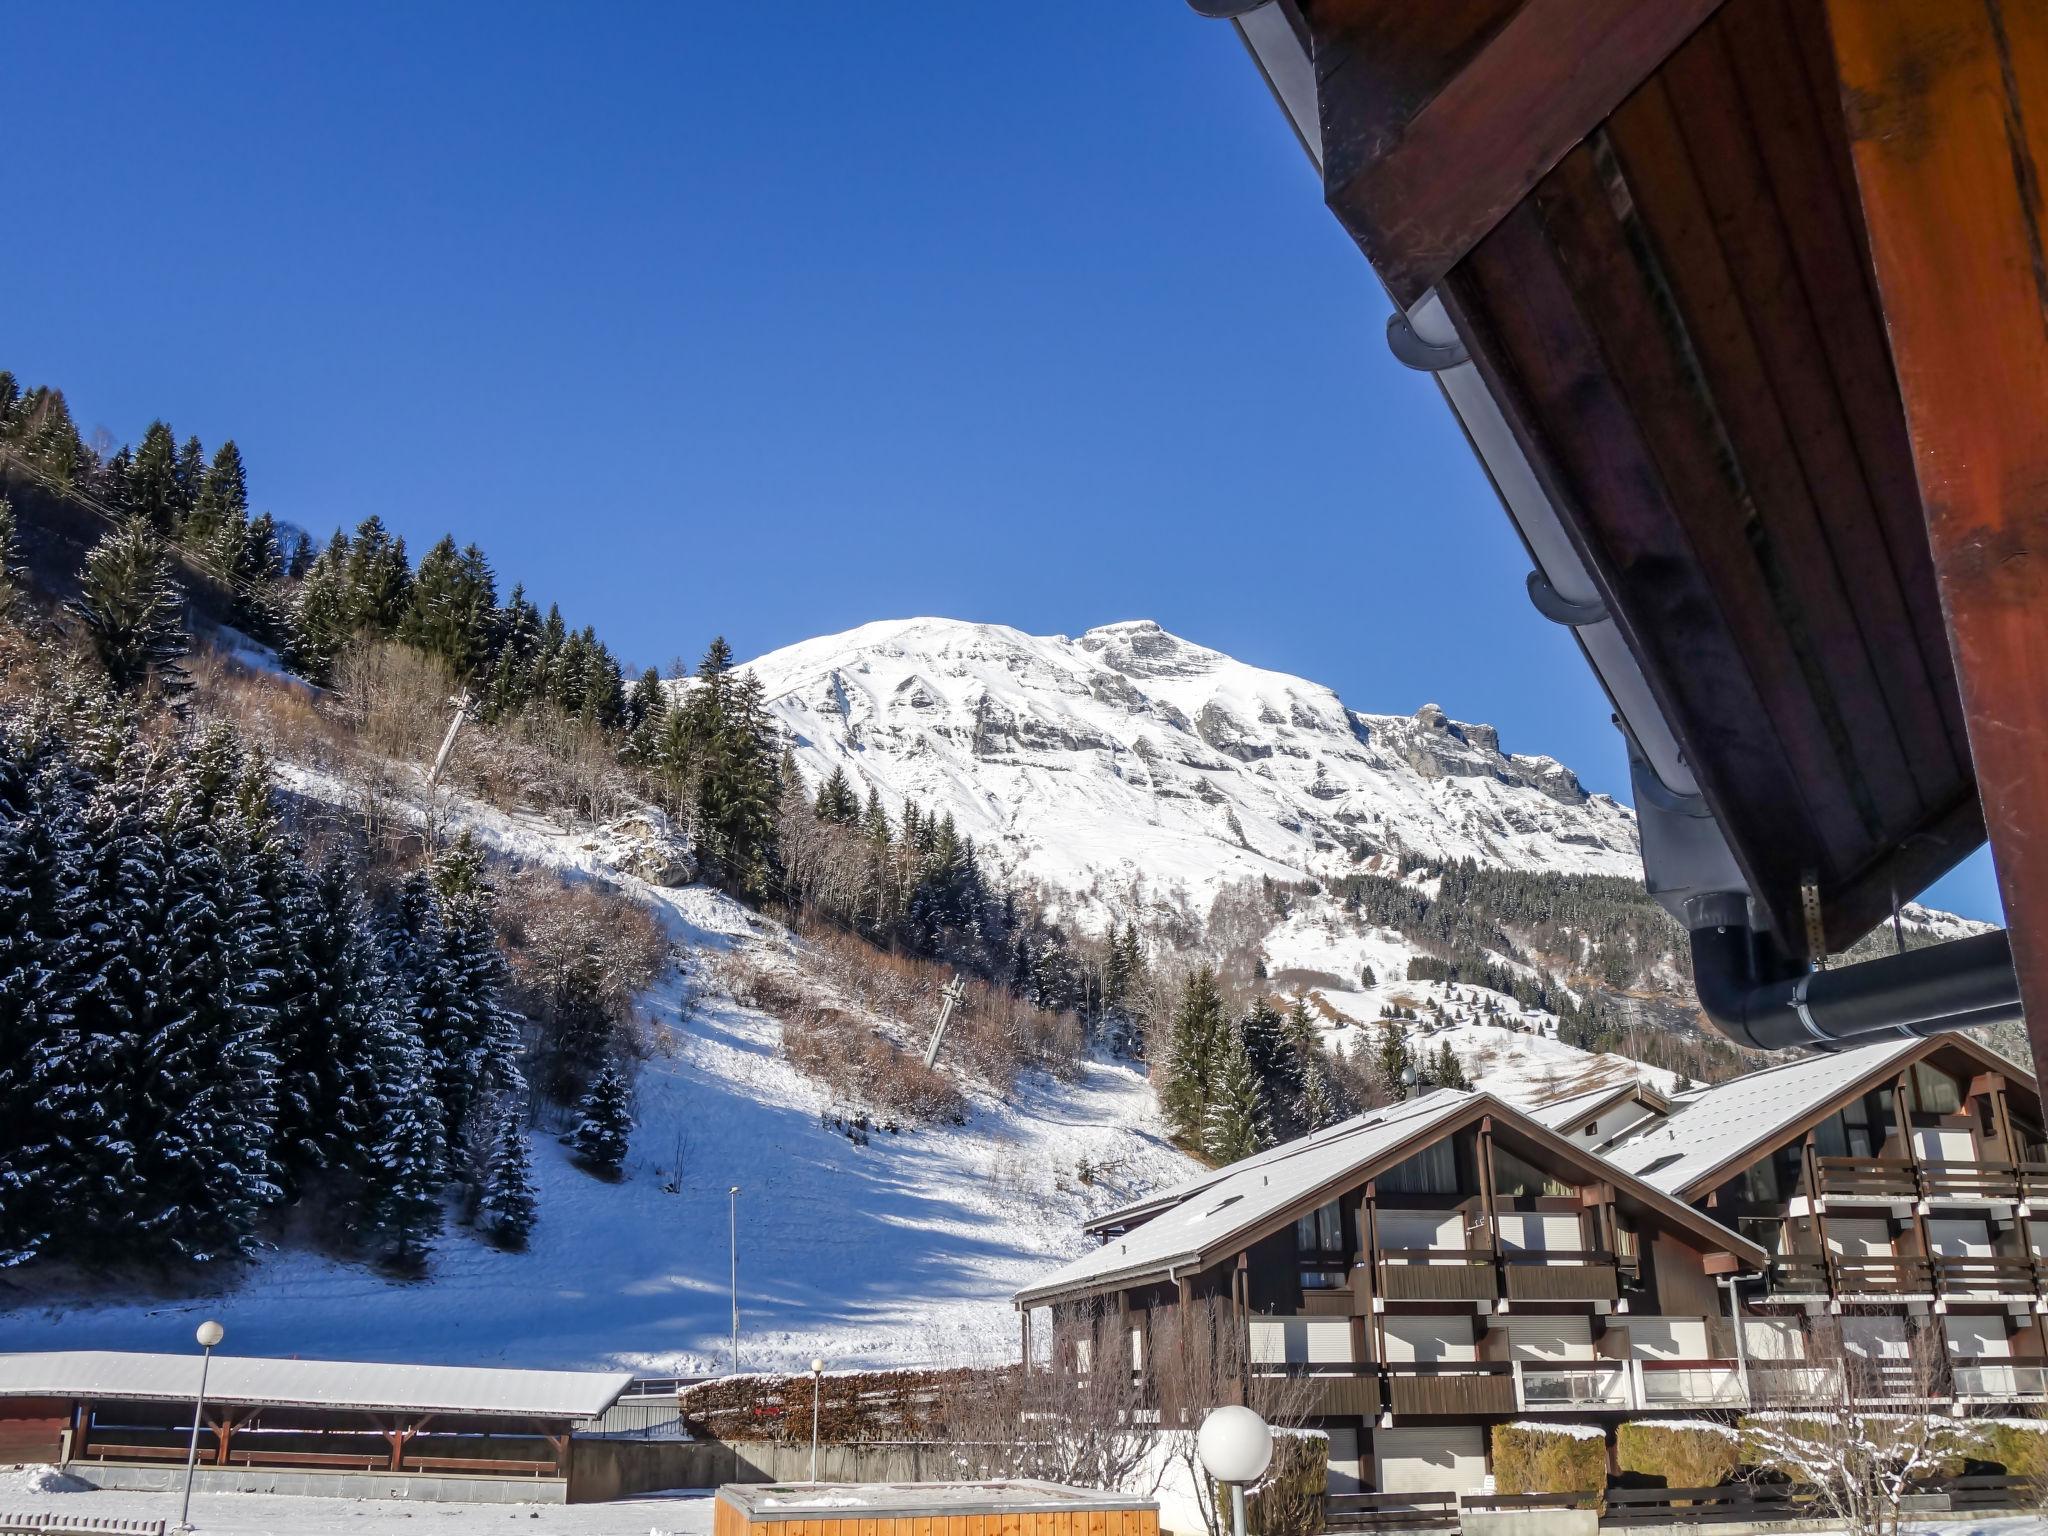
(1235, 1126)
(132, 609)
(13, 571)
(1318, 1106)
(322, 616)
(1393, 1060)
(188, 474)
(1446, 1071)
(223, 499)
(402, 1215)
(152, 489)
(836, 800)
(601, 1134)
(379, 579)
(1194, 1052)
(510, 1204)
(1366, 978)
(330, 1054)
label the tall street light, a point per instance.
(732, 1232)
(817, 1385)
(210, 1333)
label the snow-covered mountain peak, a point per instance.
(1129, 757)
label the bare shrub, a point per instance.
(1862, 1433)
(580, 952)
(396, 699)
(867, 1071)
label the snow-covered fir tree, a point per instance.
(1235, 1125)
(132, 610)
(510, 1205)
(606, 1123)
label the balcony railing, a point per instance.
(1688, 1384)
(1436, 1274)
(1954, 1182)
(2001, 1381)
(1561, 1275)
(1556, 1388)
(1458, 1386)
(1882, 1275)
(1980, 1276)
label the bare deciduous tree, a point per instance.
(1862, 1431)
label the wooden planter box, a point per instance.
(998, 1508)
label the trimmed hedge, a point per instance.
(853, 1406)
(2018, 1445)
(1684, 1455)
(1288, 1500)
(1543, 1458)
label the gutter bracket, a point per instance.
(1423, 356)
(1559, 609)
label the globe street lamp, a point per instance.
(732, 1235)
(817, 1383)
(1236, 1447)
(210, 1333)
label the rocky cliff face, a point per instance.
(1129, 756)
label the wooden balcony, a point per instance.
(1881, 1275)
(1799, 1274)
(1868, 1178)
(1460, 1386)
(1338, 1390)
(1984, 1276)
(1847, 1180)
(1436, 1274)
(1556, 1275)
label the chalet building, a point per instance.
(1435, 1267)
(1901, 1188)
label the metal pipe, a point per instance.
(1940, 987)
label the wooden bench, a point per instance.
(362, 1461)
(103, 1451)
(485, 1464)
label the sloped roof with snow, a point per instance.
(1746, 1114)
(1248, 1194)
(347, 1384)
(1571, 1110)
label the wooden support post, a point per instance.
(1947, 111)
(81, 1428)
(1024, 1364)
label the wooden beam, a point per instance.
(1419, 191)
(1947, 112)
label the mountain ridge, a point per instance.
(1130, 756)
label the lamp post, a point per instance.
(817, 1386)
(1236, 1447)
(732, 1233)
(210, 1333)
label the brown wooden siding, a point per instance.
(1682, 324)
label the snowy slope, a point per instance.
(1129, 760)
(904, 1250)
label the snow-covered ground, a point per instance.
(1128, 759)
(43, 1490)
(904, 1250)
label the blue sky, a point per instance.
(710, 319)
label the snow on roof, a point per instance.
(241, 1379)
(1745, 1112)
(1575, 1107)
(1245, 1195)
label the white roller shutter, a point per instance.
(1960, 1239)
(1876, 1337)
(1301, 1340)
(1773, 1338)
(1668, 1338)
(1548, 1338)
(1859, 1239)
(1537, 1231)
(2037, 1238)
(1422, 1229)
(1423, 1338)
(1977, 1338)
(1450, 1459)
(1940, 1144)
(1346, 1476)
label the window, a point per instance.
(1321, 1230)
(1593, 1129)
(1513, 1178)
(1432, 1171)
(1655, 1164)
(1932, 1091)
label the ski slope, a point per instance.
(905, 1250)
